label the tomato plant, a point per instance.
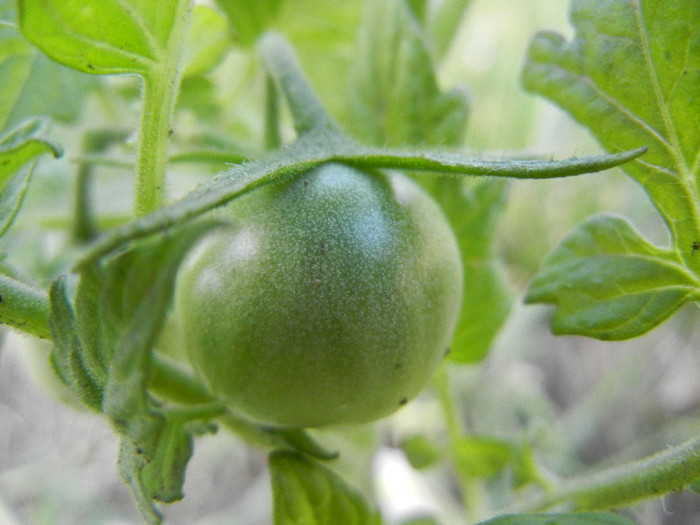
(243, 257)
(351, 284)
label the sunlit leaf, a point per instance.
(101, 36)
(653, 48)
(207, 41)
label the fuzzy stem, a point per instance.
(160, 90)
(282, 65)
(669, 471)
(273, 139)
(24, 307)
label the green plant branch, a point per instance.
(669, 471)
(175, 384)
(316, 148)
(24, 307)
(273, 139)
(282, 65)
(160, 90)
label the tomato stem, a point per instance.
(273, 138)
(672, 470)
(308, 112)
(160, 90)
(24, 307)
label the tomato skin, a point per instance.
(329, 299)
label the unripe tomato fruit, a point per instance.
(328, 299)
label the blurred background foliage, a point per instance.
(566, 404)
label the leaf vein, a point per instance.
(155, 49)
(658, 92)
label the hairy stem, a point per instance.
(24, 307)
(170, 381)
(160, 90)
(668, 471)
(282, 65)
(273, 139)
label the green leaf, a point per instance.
(23, 71)
(583, 518)
(207, 42)
(24, 91)
(473, 208)
(101, 36)
(89, 323)
(307, 493)
(12, 196)
(250, 18)
(131, 465)
(420, 452)
(164, 475)
(395, 99)
(481, 457)
(21, 145)
(18, 148)
(631, 74)
(66, 356)
(121, 308)
(608, 282)
(134, 298)
(443, 23)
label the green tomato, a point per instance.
(330, 298)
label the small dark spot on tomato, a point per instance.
(403, 401)
(447, 352)
(306, 183)
(322, 249)
(696, 246)
(398, 366)
(91, 67)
